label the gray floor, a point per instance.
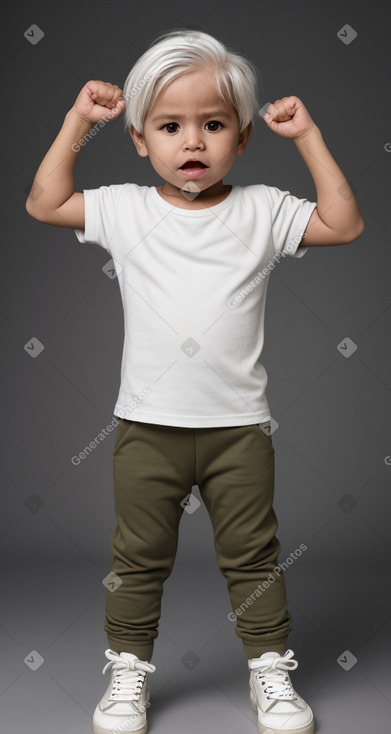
(57, 611)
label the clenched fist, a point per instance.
(289, 118)
(99, 101)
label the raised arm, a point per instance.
(52, 198)
(337, 218)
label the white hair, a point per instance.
(178, 52)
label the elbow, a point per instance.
(354, 234)
(30, 209)
(359, 230)
(34, 211)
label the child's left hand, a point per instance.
(289, 118)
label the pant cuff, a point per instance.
(143, 651)
(255, 651)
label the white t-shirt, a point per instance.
(193, 285)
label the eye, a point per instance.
(214, 122)
(170, 124)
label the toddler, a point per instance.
(193, 258)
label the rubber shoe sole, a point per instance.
(98, 730)
(309, 729)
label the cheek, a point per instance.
(160, 146)
(226, 150)
(227, 142)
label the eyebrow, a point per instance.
(172, 115)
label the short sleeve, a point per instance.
(100, 210)
(290, 217)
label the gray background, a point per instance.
(333, 441)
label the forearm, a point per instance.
(53, 182)
(336, 204)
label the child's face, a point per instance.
(189, 111)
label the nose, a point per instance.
(193, 138)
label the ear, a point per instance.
(139, 141)
(244, 137)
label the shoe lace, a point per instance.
(129, 677)
(272, 670)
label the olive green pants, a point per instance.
(154, 468)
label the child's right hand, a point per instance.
(99, 101)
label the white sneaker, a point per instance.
(280, 708)
(123, 707)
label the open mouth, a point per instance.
(193, 164)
